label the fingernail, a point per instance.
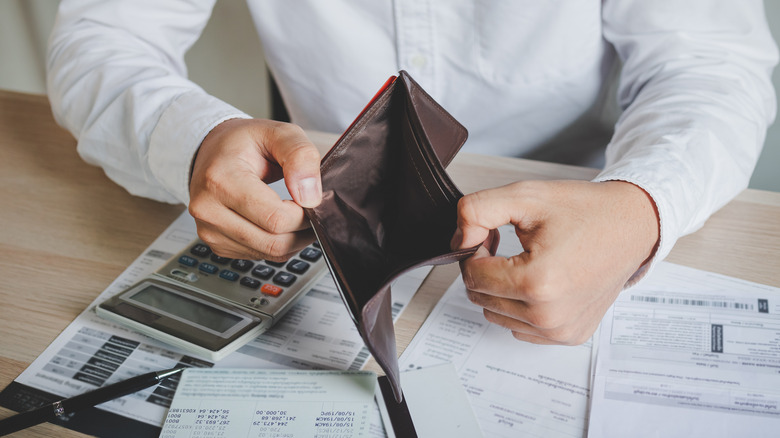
(309, 192)
(457, 239)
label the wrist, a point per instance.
(641, 214)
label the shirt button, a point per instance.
(418, 61)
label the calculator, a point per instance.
(210, 305)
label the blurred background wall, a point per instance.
(227, 62)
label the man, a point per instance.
(694, 88)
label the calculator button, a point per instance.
(241, 265)
(297, 266)
(311, 254)
(188, 261)
(249, 282)
(277, 264)
(200, 250)
(316, 244)
(208, 268)
(219, 259)
(270, 289)
(284, 278)
(228, 275)
(263, 272)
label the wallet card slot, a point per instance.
(426, 152)
(423, 220)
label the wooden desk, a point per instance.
(66, 231)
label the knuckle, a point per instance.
(208, 236)
(474, 297)
(274, 249)
(469, 277)
(275, 220)
(539, 287)
(302, 154)
(534, 293)
(580, 338)
(211, 179)
(283, 129)
(565, 336)
(491, 317)
(468, 208)
(544, 320)
(197, 210)
(294, 137)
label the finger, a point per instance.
(482, 211)
(572, 336)
(223, 245)
(262, 206)
(546, 321)
(300, 162)
(492, 241)
(235, 237)
(526, 332)
(496, 276)
(517, 327)
(533, 339)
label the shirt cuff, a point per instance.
(178, 135)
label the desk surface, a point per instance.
(66, 231)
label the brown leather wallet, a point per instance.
(388, 206)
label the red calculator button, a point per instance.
(270, 289)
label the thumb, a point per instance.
(300, 162)
(486, 210)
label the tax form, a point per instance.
(689, 353)
(515, 388)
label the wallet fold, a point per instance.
(388, 206)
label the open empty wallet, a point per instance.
(388, 206)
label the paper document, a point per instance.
(437, 405)
(515, 388)
(689, 353)
(271, 404)
(315, 334)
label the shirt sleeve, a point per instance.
(116, 80)
(697, 97)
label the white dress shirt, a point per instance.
(694, 87)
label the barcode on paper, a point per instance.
(693, 302)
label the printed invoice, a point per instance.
(689, 353)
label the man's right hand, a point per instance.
(236, 213)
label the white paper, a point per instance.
(437, 404)
(689, 353)
(515, 388)
(271, 404)
(316, 334)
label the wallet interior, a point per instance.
(388, 205)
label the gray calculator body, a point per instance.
(210, 305)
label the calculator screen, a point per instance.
(174, 304)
